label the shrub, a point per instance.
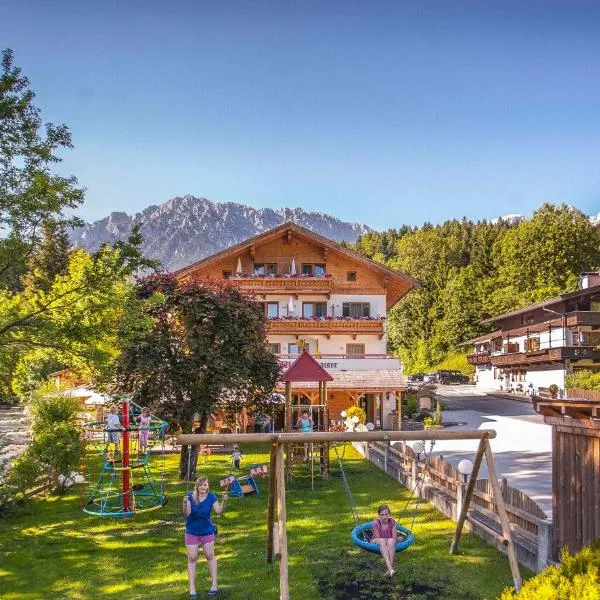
(358, 412)
(56, 441)
(437, 415)
(584, 379)
(411, 406)
(577, 578)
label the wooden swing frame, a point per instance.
(277, 531)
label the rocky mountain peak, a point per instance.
(185, 229)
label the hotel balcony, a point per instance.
(545, 355)
(583, 317)
(326, 327)
(479, 358)
(284, 285)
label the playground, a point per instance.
(52, 549)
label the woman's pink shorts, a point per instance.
(194, 540)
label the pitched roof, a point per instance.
(395, 277)
(305, 368)
(483, 338)
(590, 290)
(363, 381)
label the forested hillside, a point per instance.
(470, 271)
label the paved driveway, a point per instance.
(522, 448)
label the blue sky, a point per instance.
(373, 111)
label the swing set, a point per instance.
(277, 529)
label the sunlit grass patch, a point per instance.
(54, 550)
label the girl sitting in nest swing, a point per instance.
(384, 534)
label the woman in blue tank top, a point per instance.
(200, 531)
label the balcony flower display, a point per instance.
(300, 318)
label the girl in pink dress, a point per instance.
(144, 421)
(384, 534)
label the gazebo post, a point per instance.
(288, 422)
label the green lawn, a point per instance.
(53, 550)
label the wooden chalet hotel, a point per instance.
(321, 297)
(539, 345)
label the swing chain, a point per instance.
(347, 487)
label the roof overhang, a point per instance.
(397, 283)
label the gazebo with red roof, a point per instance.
(306, 368)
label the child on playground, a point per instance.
(384, 534)
(200, 531)
(236, 457)
(113, 428)
(144, 421)
(305, 425)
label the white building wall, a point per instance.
(485, 378)
(335, 345)
(558, 338)
(545, 378)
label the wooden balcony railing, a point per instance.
(479, 358)
(285, 285)
(545, 355)
(326, 327)
(583, 317)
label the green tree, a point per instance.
(75, 322)
(56, 436)
(199, 345)
(543, 256)
(50, 258)
(30, 192)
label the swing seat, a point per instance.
(361, 533)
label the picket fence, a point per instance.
(443, 486)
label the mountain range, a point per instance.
(185, 229)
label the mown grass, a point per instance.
(53, 550)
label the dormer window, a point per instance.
(528, 318)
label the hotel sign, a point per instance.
(326, 364)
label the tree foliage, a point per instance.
(30, 193)
(199, 345)
(55, 446)
(58, 307)
(471, 271)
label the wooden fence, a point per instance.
(42, 484)
(443, 486)
(581, 393)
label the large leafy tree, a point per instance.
(200, 345)
(470, 271)
(30, 193)
(57, 307)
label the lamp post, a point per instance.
(465, 468)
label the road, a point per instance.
(522, 448)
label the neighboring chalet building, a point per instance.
(321, 297)
(537, 346)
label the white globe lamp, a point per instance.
(465, 468)
(370, 426)
(418, 448)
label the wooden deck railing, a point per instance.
(327, 327)
(441, 486)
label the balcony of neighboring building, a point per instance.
(574, 343)
(479, 358)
